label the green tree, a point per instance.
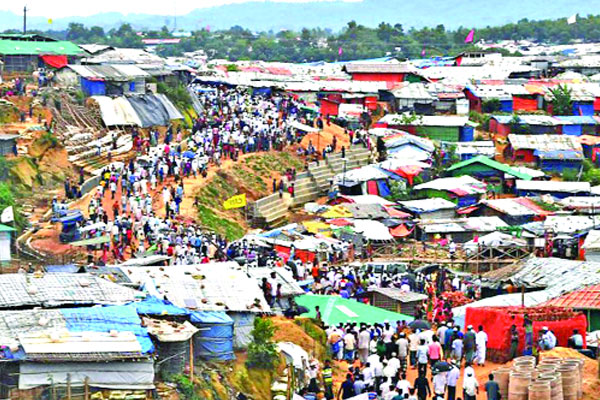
(491, 105)
(262, 352)
(562, 102)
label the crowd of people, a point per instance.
(138, 203)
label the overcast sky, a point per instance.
(68, 8)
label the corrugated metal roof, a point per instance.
(206, 287)
(400, 295)
(413, 91)
(544, 142)
(584, 299)
(23, 47)
(472, 224)
(554, 186)
(55, 289)
(427, 205)
(515, 206)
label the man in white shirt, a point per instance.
(413, 346)
(452, 380)
(364, 337)
(403, 385)
(439, 384)
(481, 339)
(402, 344)
(470, 386)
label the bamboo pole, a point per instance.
(191, 360)
(68, 386)
(86, 388)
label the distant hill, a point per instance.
(267, 15)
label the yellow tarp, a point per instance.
(318, 227)
(338, 211)
(238, 201)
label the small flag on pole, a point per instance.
(207, 28)
(470, 36)
(50, 21)
(423, 52)
(340, 51)
(8, 215)
(572, 19)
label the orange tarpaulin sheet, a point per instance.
(400, 231)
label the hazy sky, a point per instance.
(67, 8)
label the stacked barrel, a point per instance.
(554, 378)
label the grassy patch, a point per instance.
(208, 219)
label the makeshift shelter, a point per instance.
(336, 310)
(388, 72)
(27, 52)
(482, 167)
(555, 188)
(586, 300)
(463, 190)
(214, 340)
(550, 152)
(449, 128)
(365, 180)
(431, 208)
(207, 287)
(396, 300)
(57, 289)
(514, 211)
(460, 229)
(105, 347)
(560, 322)
(467, 150)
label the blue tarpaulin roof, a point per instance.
(68, 268)
(105, 319)
(154, 306)
(211, 317)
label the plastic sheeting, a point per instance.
(243, 325)
(154, 306)
(171, 109)
(105, 319)
(215, 338)
(117, 112)
(55, 61)
(112, 375)
(150, 110)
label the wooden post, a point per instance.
(86, 388)
(523, 296)
(68, 386)
(192, 360)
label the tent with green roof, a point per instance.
(336, 310)
(482, 167)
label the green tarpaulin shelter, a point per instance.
(336, 310)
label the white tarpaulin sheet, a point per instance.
(112, 375)
(116, 112)
(356, 176)
(372, 230)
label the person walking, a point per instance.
(481, 340)
(452, 380)
(422, 357)
(492, 388)
(470, 387)
(469, 344)
(514, 342)
(422, 386)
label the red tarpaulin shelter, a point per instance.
(496, 321)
